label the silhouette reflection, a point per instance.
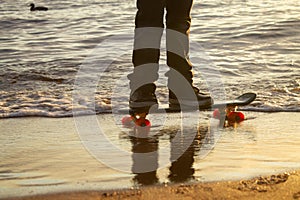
(182, 157)
(148, 163)
(181, 169)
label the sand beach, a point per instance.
(280, 186)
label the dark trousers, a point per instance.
(149, 25)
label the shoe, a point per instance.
(143, 98)
(203, 100)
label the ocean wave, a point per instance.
(34, 112)
(271, 109)
(61, 113)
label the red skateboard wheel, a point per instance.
(142, 122)
(216, 114)
(234, 117)
(142, 127)
(127, 121)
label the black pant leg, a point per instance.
(148, 31)
(178, 27)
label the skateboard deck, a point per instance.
(241, 100)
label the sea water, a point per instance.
(249, 46)
(253, 46)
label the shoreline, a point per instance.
(280, 186)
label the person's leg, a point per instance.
(145, 58)
(178, 28)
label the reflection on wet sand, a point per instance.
(182, 157)
(149, 164)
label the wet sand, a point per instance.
(44, 158)
(280, 186)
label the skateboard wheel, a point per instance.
(127, 121)
(235, 117)
(216, 114)
(143, 122)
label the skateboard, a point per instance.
(221, 109)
